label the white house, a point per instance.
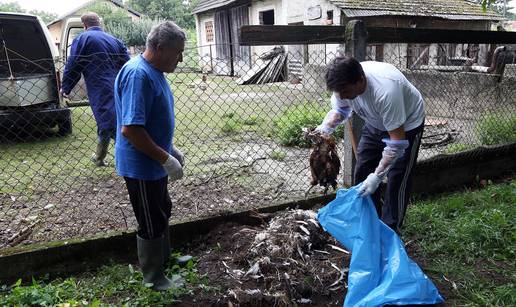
(217, 23)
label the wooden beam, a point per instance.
(302, 35)
(378, 35)
(291, 35)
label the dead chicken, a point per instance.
(324, 160)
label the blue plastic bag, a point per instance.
(380, 272)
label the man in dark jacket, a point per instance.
(98, 56)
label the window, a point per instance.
(208, 29)
(267, 17)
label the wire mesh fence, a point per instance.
(238, 121)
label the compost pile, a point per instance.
(290, 261)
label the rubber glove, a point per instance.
(178, 155)
(173, 168)
(392, 152)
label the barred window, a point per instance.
(208, 28)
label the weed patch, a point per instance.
(467, 240)
(497, 129)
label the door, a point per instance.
(71, 29)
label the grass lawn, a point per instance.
(465, 242)
(206, 120)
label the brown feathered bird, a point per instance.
(324, 161)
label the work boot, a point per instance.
(100, 154)
(150, 256)
(166, 246)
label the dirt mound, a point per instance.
(289, 261)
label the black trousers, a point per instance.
(397, 192)
(151, 205)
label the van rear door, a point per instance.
(72, 28)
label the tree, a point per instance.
(11, 7)
(500, 6)
(16, 8)
(45, 16)
(179, 11)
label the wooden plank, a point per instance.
(290, 35)
(405, 35)
(299, 35)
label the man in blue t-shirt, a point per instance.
(144, 153)
(98, 56)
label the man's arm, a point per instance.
(394, 149)
(339, 113)
(140, 139)
(73, 68)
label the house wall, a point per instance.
(254, 19)
(207, 50)
(55, 32)
(56, 28)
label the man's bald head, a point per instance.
(90, 19)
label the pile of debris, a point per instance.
(292, 261)
(270, 67)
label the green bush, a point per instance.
(231, 126)
(288, 127)
(278, 155)
(495, 129)
(132, 33)
(457, 147)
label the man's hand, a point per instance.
(178, 155)
(369, 185)
(63, 93)
(173, 168)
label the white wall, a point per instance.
(207, 50)
(295, 11)
(254, 19)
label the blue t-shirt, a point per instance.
(142, 98)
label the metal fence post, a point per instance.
(211, 59)
(356, 42)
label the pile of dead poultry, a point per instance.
(291, 261)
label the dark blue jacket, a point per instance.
(98, 56)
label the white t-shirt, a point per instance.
(388, 102)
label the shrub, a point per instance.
(457, 147)
(231, 126)
(278, 155)
(289, 125)
(495, 129)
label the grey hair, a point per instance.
(90, 19)
(166, 33)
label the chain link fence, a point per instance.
(237, 121)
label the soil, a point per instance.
(289, 260)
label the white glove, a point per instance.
(173, 168)
(178, 155)
(369, 185)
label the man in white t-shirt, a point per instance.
(393, 111)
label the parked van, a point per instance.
(29, 80)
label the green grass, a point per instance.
(54, 162)
(465, 242)
(111, 285)
(497, 129)
(288, 126)
(458, 147)
(468, 238)
(278, 155)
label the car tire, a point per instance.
(65, 127)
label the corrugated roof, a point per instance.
(206, 5)
(448, 9)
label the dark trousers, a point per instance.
(151, 205)
(397, 192)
